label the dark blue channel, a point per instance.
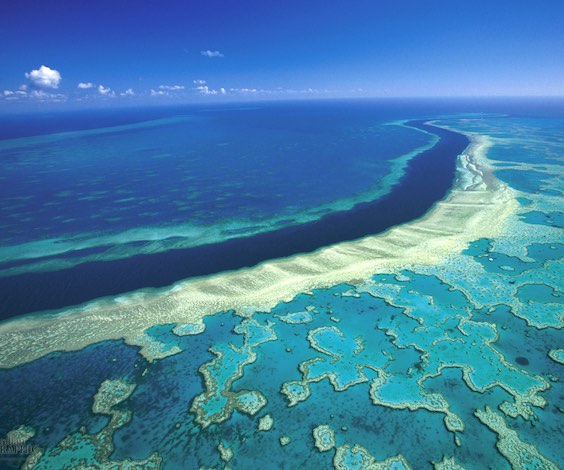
(427, 179)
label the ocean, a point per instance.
(118, 203)
(323, 284)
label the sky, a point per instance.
(105, 53)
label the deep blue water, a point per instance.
(198, 169)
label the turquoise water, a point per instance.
(400, 364)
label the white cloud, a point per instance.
(44, 96)
(15, 95)
(171, 87)
(276, 91)
(199, 82)
(211, 54)
(85, 85)
(128, 92)
(247, 90)
(39, 95)
(105, 91)
(301, 91)
(44, 77)
(205, 90)
(158, 93)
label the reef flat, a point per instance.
(437, 344)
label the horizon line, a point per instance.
(67, 106)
